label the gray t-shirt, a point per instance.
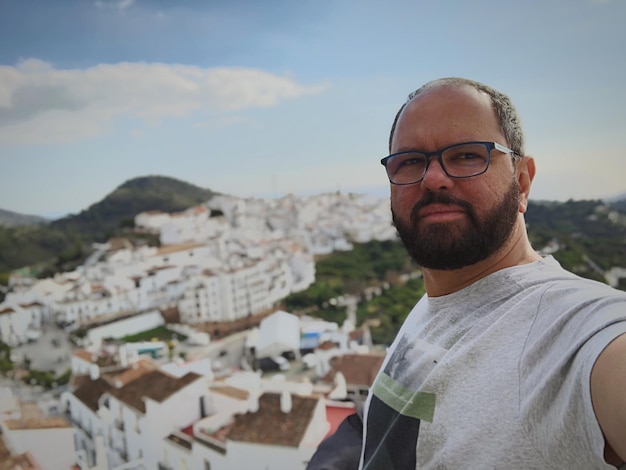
(496, 376)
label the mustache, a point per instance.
(439, 198)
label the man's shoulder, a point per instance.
(556, 280)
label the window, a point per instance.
(207, 465)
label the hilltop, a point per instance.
(14, 219)
(64, 243)
(119, 208)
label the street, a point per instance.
(52, 351)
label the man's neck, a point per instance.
(516, 252)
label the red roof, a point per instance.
(335, 415)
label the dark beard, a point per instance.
(445, 246)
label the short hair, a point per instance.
(508, 118)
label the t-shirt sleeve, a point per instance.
(572, 328)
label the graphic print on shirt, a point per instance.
(397, 406)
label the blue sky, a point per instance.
(265, 98)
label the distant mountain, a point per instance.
(14, 219)
(64, 243)
(618, 201)
(134, 196)
(616, 198)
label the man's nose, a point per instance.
(435, 177)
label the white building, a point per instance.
(279, 333)
(15, 324)
(151, 220)
(134, 411)
(236, 433)
(258, 252)
(33, 438)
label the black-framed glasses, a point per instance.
(462, 160)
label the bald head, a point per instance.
(508, 118)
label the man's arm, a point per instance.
(608, 394)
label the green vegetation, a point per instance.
(13, 219)
(350, 272)
(366, 262)
(65, 243)
(159, 333)
(47, 379)
(372, 264)
(589, 233)
(386, 313)
(6, 364)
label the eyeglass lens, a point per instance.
(458, 161)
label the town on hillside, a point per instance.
(180, 356)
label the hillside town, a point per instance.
(249, 386)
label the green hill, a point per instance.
(591, 234)
(64, 243)
(13, 219)
(102, 219)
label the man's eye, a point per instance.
(412, 161)
(467, 156)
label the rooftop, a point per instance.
(91, 391)
(357, 369)
(43, 422)
(155, 385)
(230, 391)
(269, 425)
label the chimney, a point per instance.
(285, 401)
(94, 372)
(340, 392)
(253, 401)
(123, 355)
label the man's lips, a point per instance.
(440, 212)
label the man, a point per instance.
(508, 361)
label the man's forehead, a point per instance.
(445, 115)
(450, 93)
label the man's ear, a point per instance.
(525, 171)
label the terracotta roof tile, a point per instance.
(155, 385)
(31, 304)
(84, 355)
(269, 425)
(229, 391)
(357, 369)
(167, 249)
(44, 422)
(127, 375)
(91, 391)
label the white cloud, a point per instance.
(41, 104)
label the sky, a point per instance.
(265, 98)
